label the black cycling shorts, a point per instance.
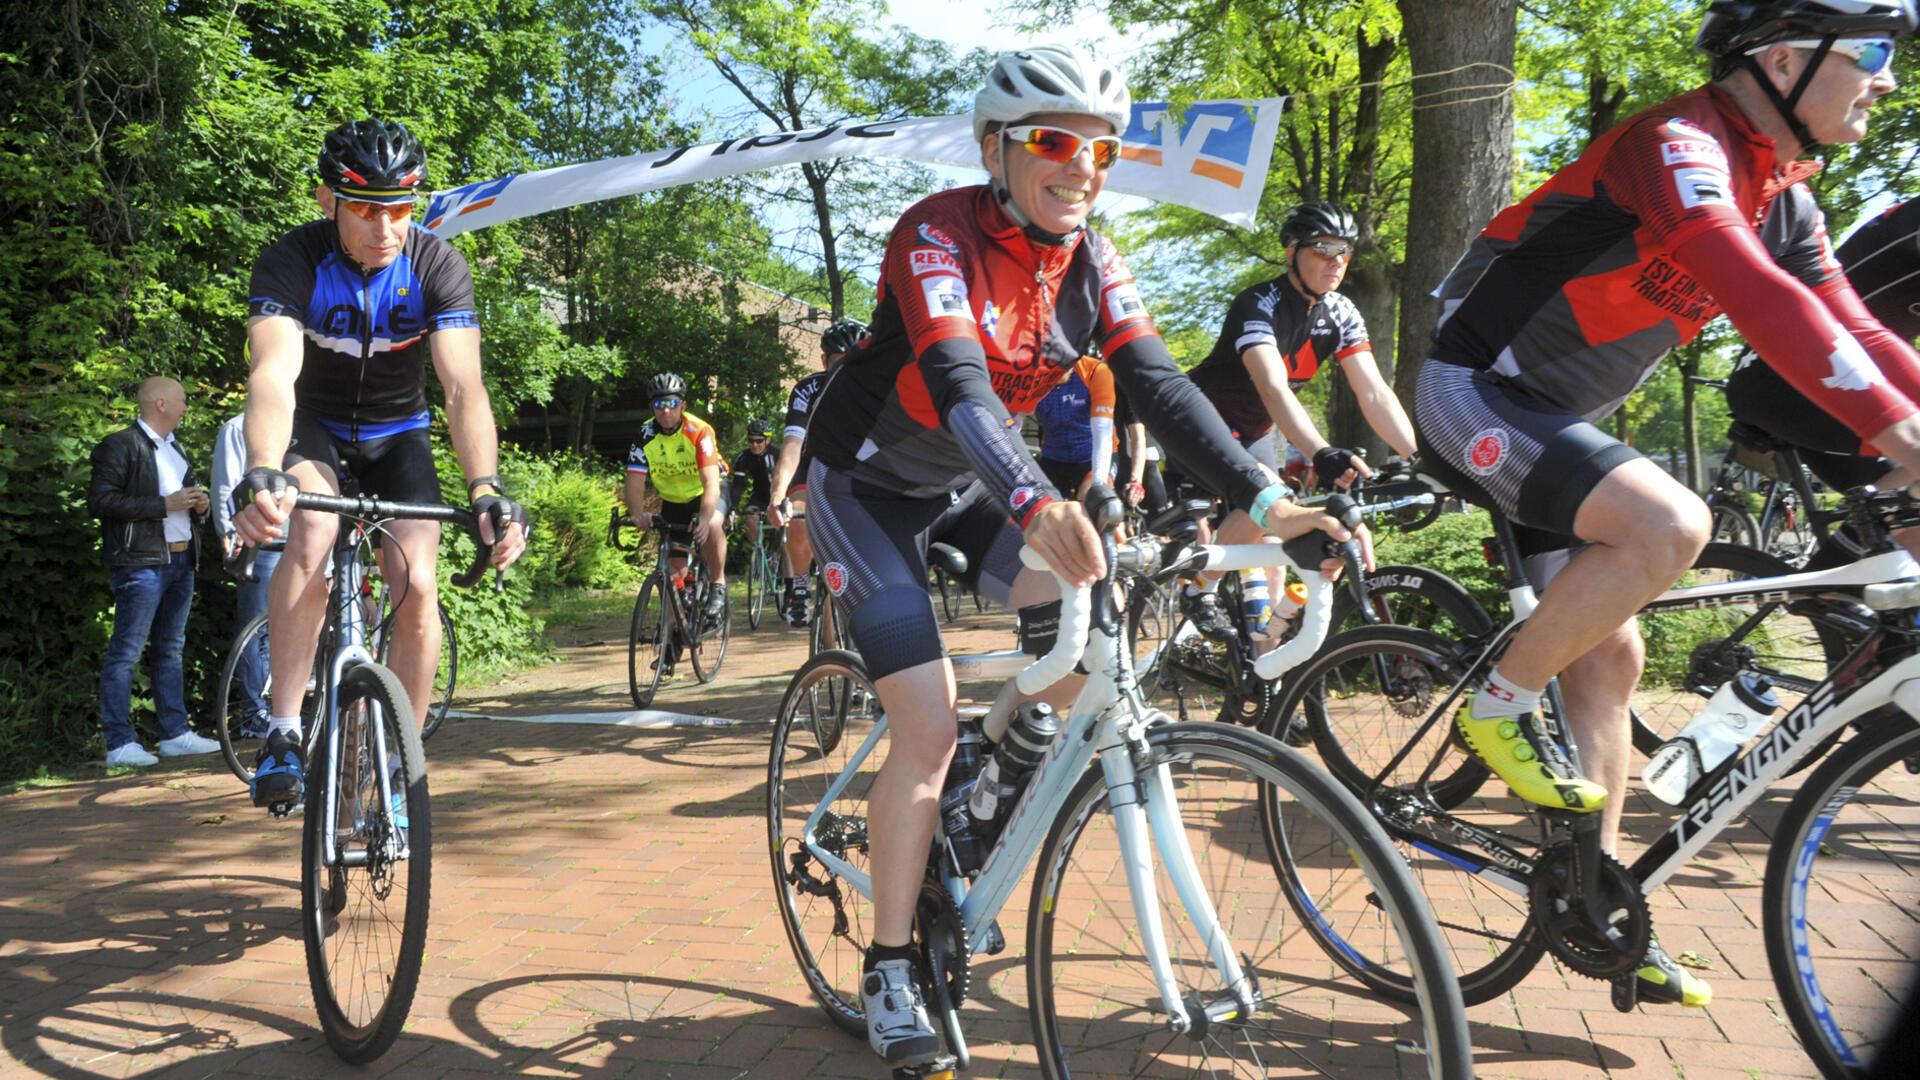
(681, 514)
(398, 468)
(872, 549)
(1503, 448)
(1065, 476)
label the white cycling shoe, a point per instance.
(897, 1024)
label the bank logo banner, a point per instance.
(1211, 156)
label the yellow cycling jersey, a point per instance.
(672, 461)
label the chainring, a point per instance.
(942, 935)
(1570, 937)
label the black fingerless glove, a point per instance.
(1330, 463)
(503, 512)
(256, 480)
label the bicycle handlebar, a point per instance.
(368, 508)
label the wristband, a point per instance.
(1264, 501)
(478, 480)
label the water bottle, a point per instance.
(1286, 610)
(1731, 717)
(963, 774)
(1021, 750)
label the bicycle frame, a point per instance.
(348, 649)
(1852, 690)
(1097, 725)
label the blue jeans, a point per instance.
(148, 602)
(252, 603)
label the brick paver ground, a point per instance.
(602, 906)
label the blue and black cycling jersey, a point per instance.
(364, 372)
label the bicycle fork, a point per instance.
(1143, 803)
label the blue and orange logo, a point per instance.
(1213, 139)
(465, 200)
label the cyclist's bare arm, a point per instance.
(636, 495)
(1269, 372)
(1378, 403)
(275, 344)
(456, 360)
(783, 470)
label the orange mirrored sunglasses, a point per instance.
(1060, 146)
(373, 211)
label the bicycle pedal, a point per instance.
(1626, 992)
(283, 808)
(996, 941)
(940, 1068)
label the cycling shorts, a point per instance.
(871, 545)
(1501, 447)
(1065, 476)
(681, 513)
(396, 467)
(1757, 395)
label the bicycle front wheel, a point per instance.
(827, 713)
(708, 649)
(1095, 1007)
(364, 913)
(1842, 907)
(756, 585)
(648, 646)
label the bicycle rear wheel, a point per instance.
(1094, 1003)
(648, 647)
(233, 703)
(1842, 908)
(828, 711)
(1180, 672)
(1731, 523)
(364, 918)
(1366, 693)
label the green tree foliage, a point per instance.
(803, 64)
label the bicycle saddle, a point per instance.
(1177, 520)
(949, 558)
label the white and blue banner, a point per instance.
(1212, 157)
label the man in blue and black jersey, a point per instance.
(343, 314)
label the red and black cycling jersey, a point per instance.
(976, 321)
(1277, 314)
(1882, 259)
(1575, 293)
(365, 361)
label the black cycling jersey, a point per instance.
(364, 368)
(1882, 260)
(800, 404)
(1277, 314)
(751, 469)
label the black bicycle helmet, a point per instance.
(1310, 221)
(667, 384)
(843, 336)
(757, 429)
(1733, 28)
(373, 160)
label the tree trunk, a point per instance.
(1462, 151)
(1372, 286)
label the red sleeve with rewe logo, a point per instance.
(1674, 176)
(1796, 331)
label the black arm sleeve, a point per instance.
(1184, 421)
(956, 375)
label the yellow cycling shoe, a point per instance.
(1665, 982)
(1532, 767)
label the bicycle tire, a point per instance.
(707, 645)
(357, 1027)
(756, 585)
(1693, 651)
(1223, 774)
(1732, 524)
(446, 676)
(1841, 955)
(647, 642)
(1488, 928)
(1419, 596)
(828, 709)
(824, 630)
(229, 712)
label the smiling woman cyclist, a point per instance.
(988, 295)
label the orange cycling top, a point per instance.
(1576, 293)
(671, 461)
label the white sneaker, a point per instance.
(187, 744)
(131, 754)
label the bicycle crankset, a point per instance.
(944, 959)
(1602, 934)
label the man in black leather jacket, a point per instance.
(142, 494)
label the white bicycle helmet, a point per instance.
(1051, 79)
